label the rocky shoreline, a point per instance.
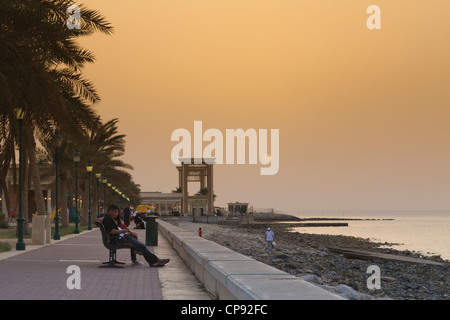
(306, 256)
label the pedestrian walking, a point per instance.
(269, 239)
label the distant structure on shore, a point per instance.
(162, 203)
(238, 207)
(196, 170)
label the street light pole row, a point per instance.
(89, 167)
(20, 245)
(76, 157)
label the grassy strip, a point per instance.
(4, 246)
(10, 232)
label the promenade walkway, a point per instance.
(40, 272)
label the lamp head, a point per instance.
(20, 114)
(57, 139)
(76, 156)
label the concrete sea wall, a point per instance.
(229, 275)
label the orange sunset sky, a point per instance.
(363, 114)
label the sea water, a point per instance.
(424, 232)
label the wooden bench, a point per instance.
(110, 242)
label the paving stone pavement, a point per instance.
(41, 273)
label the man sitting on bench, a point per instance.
(111, 221)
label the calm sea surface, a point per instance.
(426, 232)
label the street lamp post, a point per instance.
(20, 245)
(98, 176)
(76, 158)
(57, 142)
(89, 168)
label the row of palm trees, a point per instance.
(41, 73)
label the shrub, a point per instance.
(4, 246)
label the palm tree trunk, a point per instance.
(7, 155)
(5, 195)
(35, 176)
(85, 206)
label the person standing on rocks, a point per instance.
(269, 238)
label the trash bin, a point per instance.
(151, 231)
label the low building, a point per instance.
(162, 203)
(13, 190)
(238, 207)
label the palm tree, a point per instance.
(102, 145)
(204, 192)
(40, 71)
